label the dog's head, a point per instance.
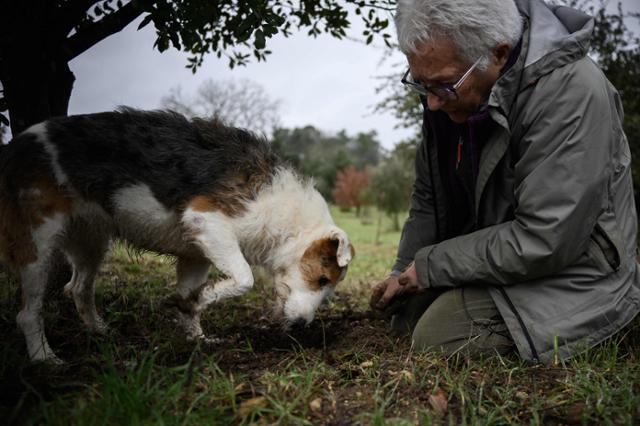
(301, 287)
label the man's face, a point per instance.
(437, 62)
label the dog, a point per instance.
(195, 189)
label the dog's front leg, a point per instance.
(213, 234)
(192, 278)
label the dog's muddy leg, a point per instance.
(85, 248)
(33, 278)
(192, 277)
(82, 289)
(213, 234)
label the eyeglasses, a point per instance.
(445, 92)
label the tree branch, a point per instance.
(110, 24)
(69, 15)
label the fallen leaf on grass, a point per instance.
(366, 364)
(438, 401)
(315, 405)
(407, 375)
(402, 375)
(574, 413)
(246, 407)
(521, 395)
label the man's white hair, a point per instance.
(476, 27)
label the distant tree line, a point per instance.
(322, 155)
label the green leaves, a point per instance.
(259, 42)
(239, 30)
(147, 19)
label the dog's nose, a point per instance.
(299, 323)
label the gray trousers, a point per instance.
(462, 320)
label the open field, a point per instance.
(346, 368)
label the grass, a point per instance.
(345, 369)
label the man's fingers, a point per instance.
(378, 291)
(389, 293)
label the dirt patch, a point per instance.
(344, 368)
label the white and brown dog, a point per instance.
(197, 190)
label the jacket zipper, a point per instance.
(534, 352)
(433, 191)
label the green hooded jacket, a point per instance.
(556, 226)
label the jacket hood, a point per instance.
(555, 30)
(553, 36)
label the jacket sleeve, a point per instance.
(561, 181)
(420, 229)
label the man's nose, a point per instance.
(434, 103)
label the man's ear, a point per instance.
(501, 54)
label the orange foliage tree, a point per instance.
(350, 183)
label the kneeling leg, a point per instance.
(463, 320)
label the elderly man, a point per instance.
(522, 226)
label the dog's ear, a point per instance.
(345, 251)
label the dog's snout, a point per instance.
(299, 323)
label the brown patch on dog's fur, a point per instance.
(209, 203)
(319, 261)
(51, 200)
(231, 199)
(20, 212)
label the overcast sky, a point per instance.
(323, 82)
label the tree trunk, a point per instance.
(37, 85)
(396, 221)
(34, 72)
(378, 227)
(36, 91)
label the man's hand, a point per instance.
(409, 279)
(394, 288)
(383, 292)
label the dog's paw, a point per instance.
(50, 360)
(210, 340)
(204, 339)
(54, 360)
